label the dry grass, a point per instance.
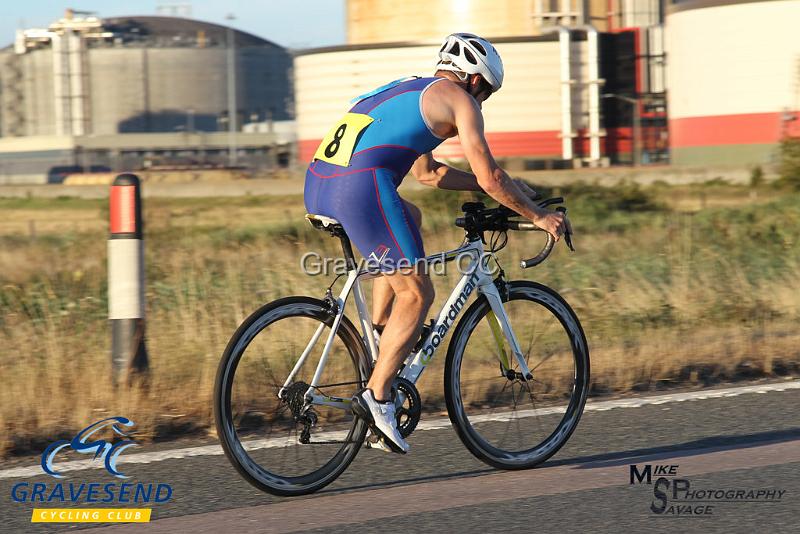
(666, 295)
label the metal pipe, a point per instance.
(594, 83)
(628, 14)
(60, 85)
(566, 90)
(231, 93)
(539, 13)
(566, 12)
(637, 134)
(76, 77)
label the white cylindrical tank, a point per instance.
(734, 79)
(522, 119)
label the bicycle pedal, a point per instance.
(375, 442)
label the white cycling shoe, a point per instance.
(380, 417)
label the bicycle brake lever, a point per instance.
(567, 235)
(568, 240)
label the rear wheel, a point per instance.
(273, 436)
(502, 418)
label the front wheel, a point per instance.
(502, 418)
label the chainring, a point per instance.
(408, 413)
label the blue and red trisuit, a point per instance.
(360, 163)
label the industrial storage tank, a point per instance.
(549, 111)
(734, 78)
(525, 118)
(138, 74)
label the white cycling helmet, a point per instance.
(465, 52)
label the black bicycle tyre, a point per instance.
(226, 431)
(473, 441)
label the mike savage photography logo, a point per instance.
(101, 440)
(675, 496)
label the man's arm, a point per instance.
(490, 177)
(433, 173)
(430, 172)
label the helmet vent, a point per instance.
(470, 57)
(478, 46)
(455, 49)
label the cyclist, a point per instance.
(354, 178)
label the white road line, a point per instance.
(433, 424)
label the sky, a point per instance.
(294, 24)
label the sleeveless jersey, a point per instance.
(398, 133)
(360, 163)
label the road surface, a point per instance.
(736, 439)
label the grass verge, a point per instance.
(674, 285)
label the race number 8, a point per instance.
(334, 145)
(339, 143)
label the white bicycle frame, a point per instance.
(476, 277)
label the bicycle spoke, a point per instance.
(508, 424)
(516, 418)
(268, 368)
(531, 344)
(533, 402)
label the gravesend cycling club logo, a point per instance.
(677, 497)
(101, 448)
(101, 440)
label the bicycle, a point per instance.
(286, 425)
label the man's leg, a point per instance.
(382, 292)
(413, 297)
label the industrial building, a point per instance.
(131, 92)
(572, 68)
(734, 80)
(588, 82)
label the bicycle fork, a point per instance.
(501, 329)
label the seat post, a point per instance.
(348, 250)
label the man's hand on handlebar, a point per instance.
(553, 222)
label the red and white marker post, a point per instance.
(126, 278)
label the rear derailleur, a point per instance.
(295, 397)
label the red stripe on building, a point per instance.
(747, 128)
(508, 144)
(306, 150)
(502, 144)
(541, 144)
